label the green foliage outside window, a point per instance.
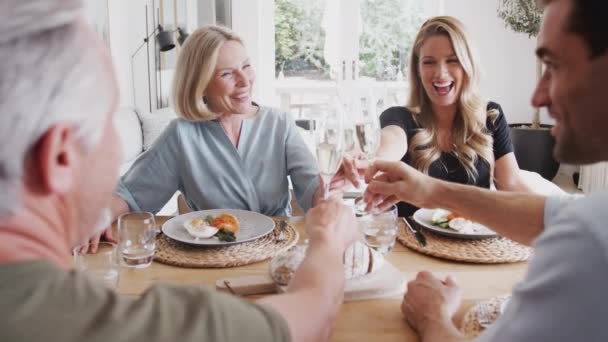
(523, 16)
(385, 43)
(389, 29)
(299, 38)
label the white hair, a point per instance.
(53, 69)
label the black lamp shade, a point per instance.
(165, 40)
(182, 35)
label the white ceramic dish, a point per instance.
(424, 218)
(252, 226)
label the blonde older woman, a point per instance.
(448, 131)
(225, 151)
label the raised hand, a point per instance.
(331, 222)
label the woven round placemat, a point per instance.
(483, 251)
(175, 253)
(481, 316)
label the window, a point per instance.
(360, 44)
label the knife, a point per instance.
(417, 234)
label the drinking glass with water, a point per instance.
(380, 229)
(137, 239)
(102, 265)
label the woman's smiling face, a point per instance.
(440, 71)
(229, 91)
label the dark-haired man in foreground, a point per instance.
(563, 297)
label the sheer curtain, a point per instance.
(594, 177)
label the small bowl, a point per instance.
(200, 232)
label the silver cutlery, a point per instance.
(417, 233)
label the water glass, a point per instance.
(137, 239)
(380, 229)
(102, 265)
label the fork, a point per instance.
(281, 236)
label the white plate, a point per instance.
(252, 226)
(424, 216)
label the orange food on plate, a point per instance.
(228, 222)
(453, 216)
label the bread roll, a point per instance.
(359, 260)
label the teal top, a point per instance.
(198, 159)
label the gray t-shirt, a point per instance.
(563, 297)
(40, 302)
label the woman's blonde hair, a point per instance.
(195, 69)
(470, 138)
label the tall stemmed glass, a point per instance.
(329, 141)
(367, 131)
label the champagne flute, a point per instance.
(349, 138)
(367, 130)
(368, 135)
(329, 138)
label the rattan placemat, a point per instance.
(481, 316)
(483, 251)
(175, 253)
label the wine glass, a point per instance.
(349, 138)
(367, 131)
(329, 141)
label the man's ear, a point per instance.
(58, 155)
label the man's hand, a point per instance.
(333, 223)
(429, 302)
(392, 182)
(94, 240)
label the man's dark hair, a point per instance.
(588, 19)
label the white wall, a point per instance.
(507, 57)
(251, 18)
(119, 46)
(127, 31)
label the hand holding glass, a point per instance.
(380, 230)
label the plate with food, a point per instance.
(451, 224)
(218, 227)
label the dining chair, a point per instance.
(182, 205)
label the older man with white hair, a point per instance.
(59, 160)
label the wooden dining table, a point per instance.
(366, 320)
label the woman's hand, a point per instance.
(337, 186)
(353, 168)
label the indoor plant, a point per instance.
(533, 141)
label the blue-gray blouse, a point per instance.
(199, 160)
